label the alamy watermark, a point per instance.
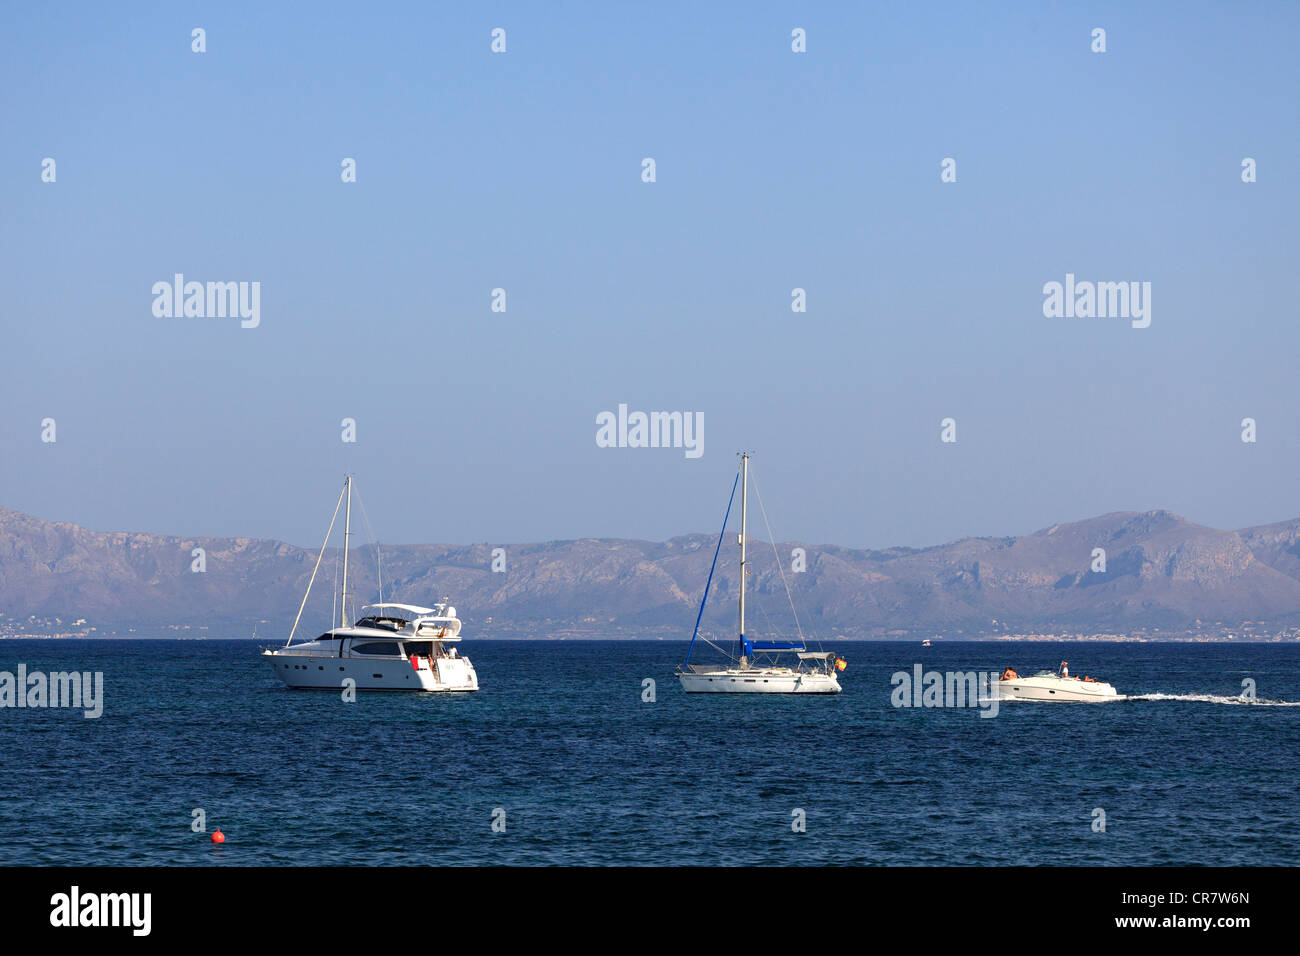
(77, 908)
(1098, 300)
(74, 689)
(651, 430)
(921, 688)
(211, 300)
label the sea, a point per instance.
(589, 753)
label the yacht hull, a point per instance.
(328, 673)
(1055, 689)
(758, 682)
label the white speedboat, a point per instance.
(390, 647)
(1046, 685)
(757, 670)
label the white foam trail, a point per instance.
(1216, 699)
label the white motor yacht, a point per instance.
(397, 647)
(390, 647)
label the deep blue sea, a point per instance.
(588, 773)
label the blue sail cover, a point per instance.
(751, 646)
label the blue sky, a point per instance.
(775, 170)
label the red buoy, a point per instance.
(218, 836)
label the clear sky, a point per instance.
(523, 170)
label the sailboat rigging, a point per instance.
(757, 670)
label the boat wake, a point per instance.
(1216, 699)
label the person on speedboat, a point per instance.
(1009, 674)
(1065, 670)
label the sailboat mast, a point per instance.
(744, 519)
(347, 535)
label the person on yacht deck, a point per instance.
(1065, 669)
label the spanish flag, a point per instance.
(840, 663)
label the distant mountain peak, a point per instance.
(1161, 571)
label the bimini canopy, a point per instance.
(409, 608)
(816, 655)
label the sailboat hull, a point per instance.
(758, 682)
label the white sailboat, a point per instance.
(758, 669)
(393, 647)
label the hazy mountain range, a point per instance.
(1164, 576)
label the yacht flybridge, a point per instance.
(390, 647)
(758, 668)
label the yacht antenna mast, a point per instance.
(347, 534)
(744, 514)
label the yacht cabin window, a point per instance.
(378, 648)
